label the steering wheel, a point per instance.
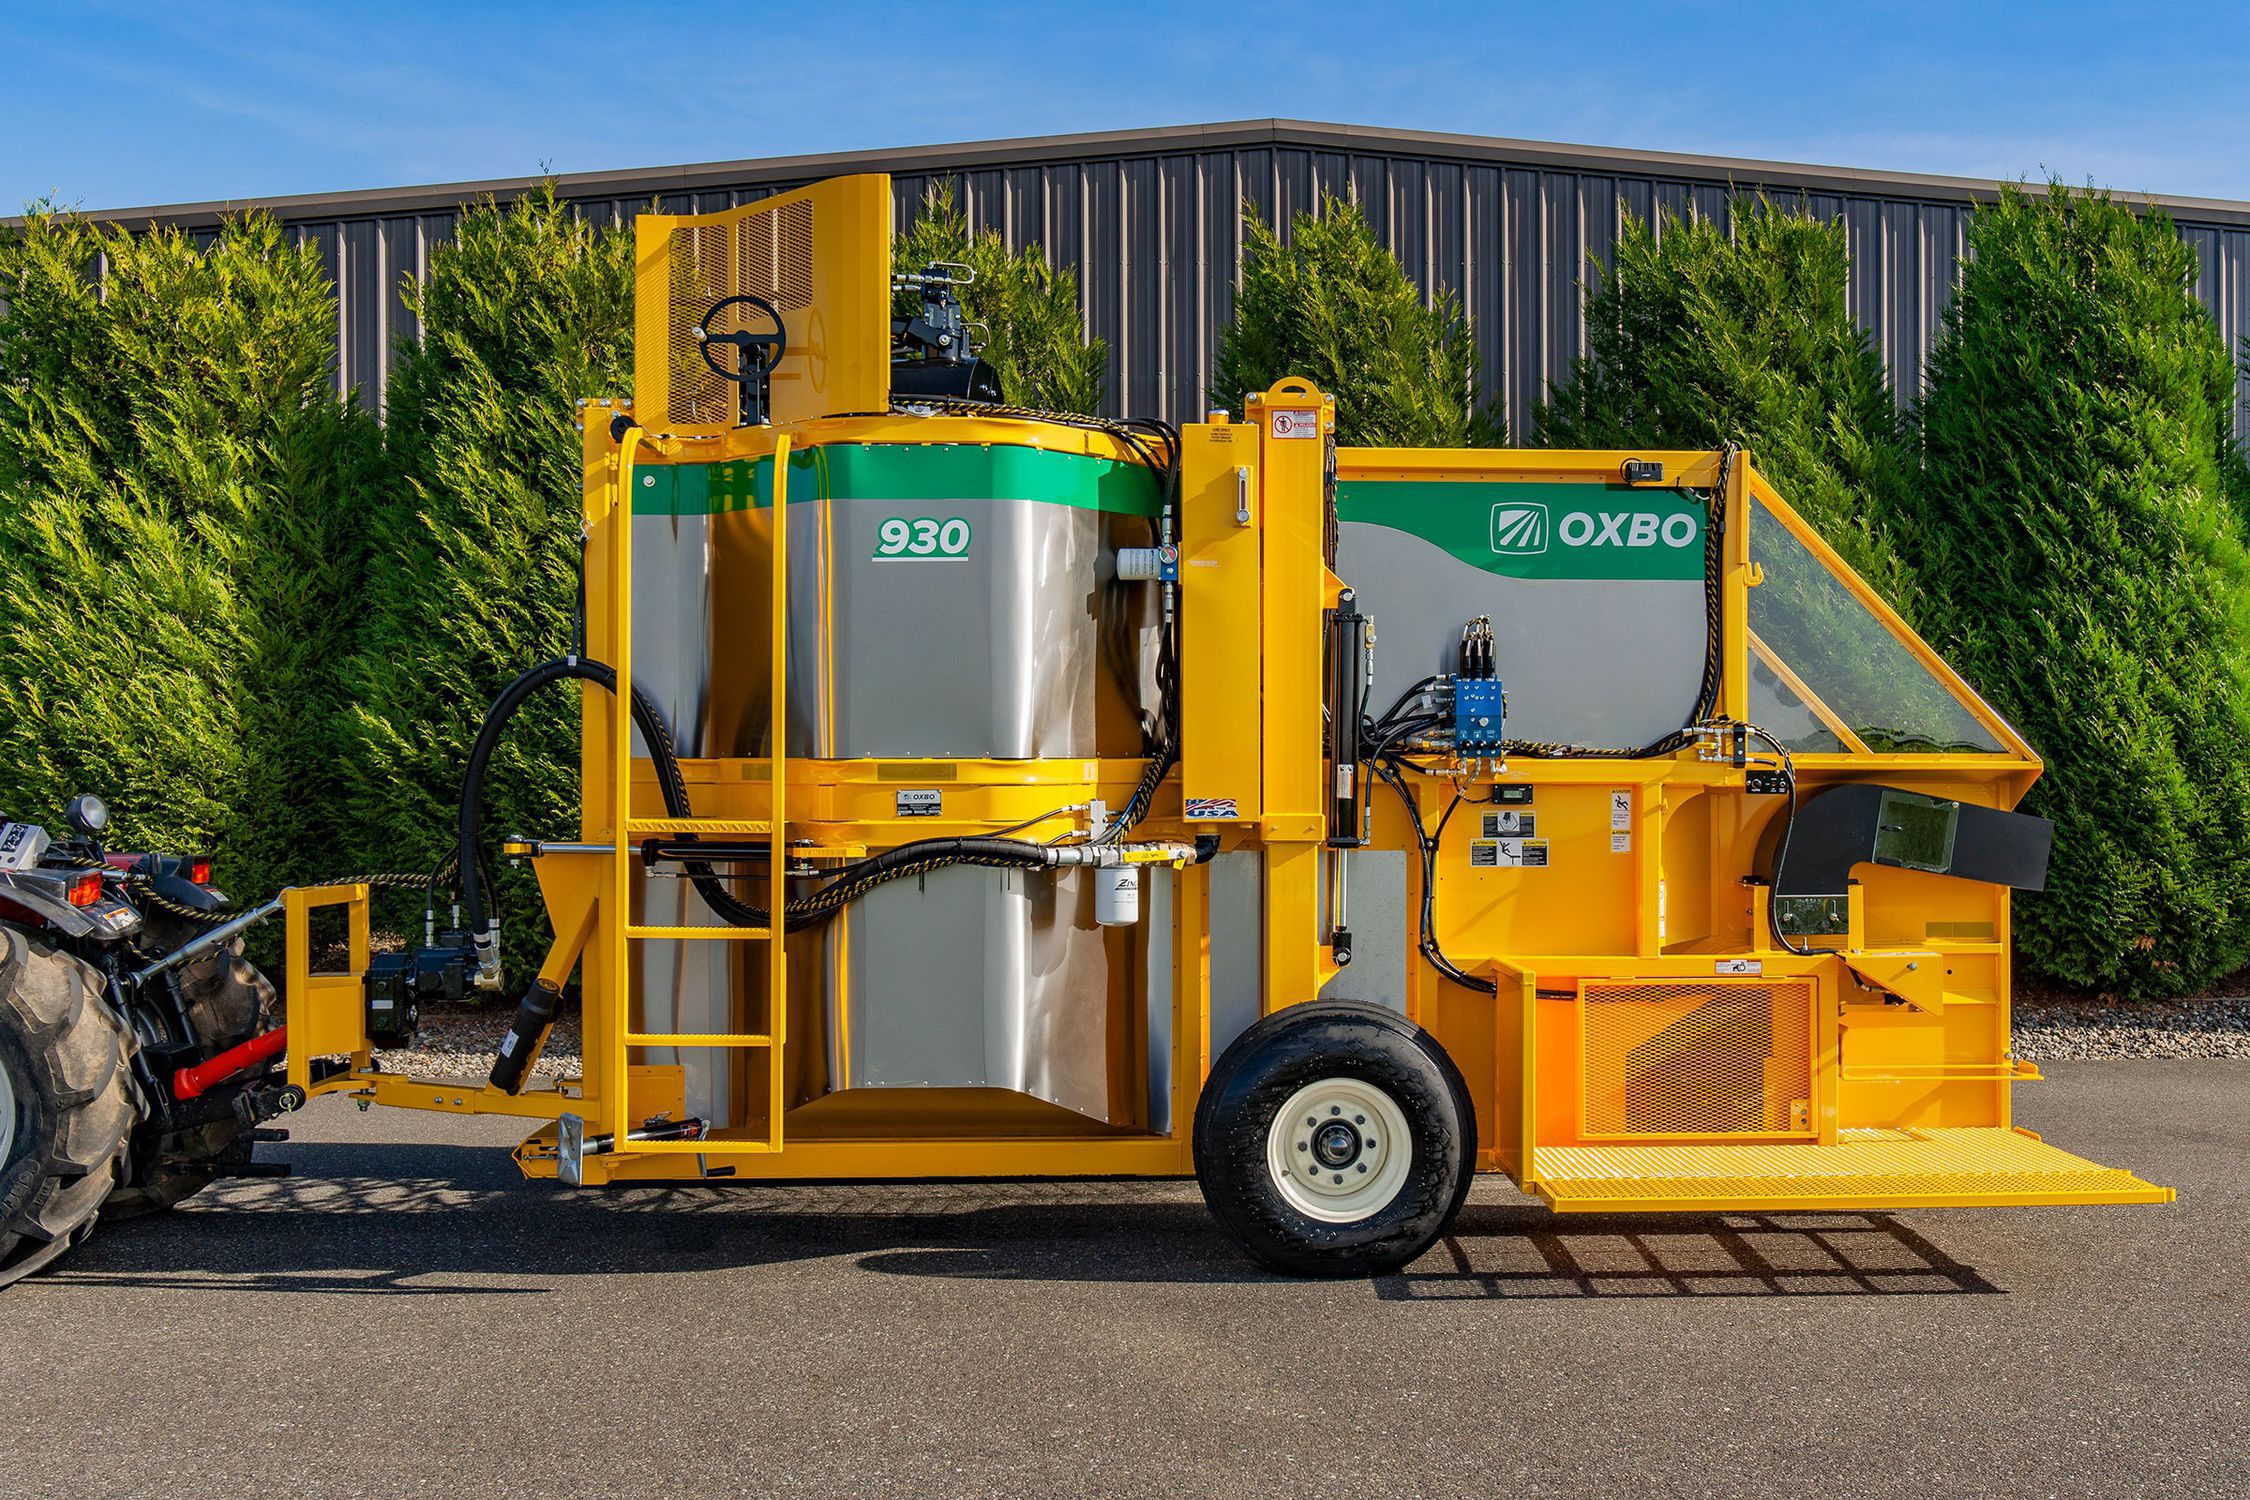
(755, 352)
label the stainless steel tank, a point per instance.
(947, 602)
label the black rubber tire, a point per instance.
(69, 1064)
(227, 1001)
(1301, 1045)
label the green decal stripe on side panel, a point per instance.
(1520, 529)
(900, 471)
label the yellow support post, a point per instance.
(617, 1109)
(777, 810)
(1739, 577)
(1296, 425)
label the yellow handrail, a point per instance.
(616, 1107)
(777, 812)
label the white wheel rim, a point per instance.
(7, 1112)
(1339, 1151)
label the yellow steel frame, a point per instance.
(1252, 735)
(1667, 901)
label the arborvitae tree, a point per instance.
(1335, 307)
(1698, 337)
(180, 494)
(1032, 331)
(2080, 558)
(2234, 462)
(476, 557)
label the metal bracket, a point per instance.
(570, 1150)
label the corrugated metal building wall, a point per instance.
(1152, 221)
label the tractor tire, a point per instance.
(66, 1102)
(1335, 1138)
(227, 1001)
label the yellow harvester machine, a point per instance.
(1000, 793)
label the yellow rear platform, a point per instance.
(1914, 1168)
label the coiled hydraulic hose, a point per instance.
(848, 884)
(647, 717)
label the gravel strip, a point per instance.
(2090, 1030)
(457, 1041)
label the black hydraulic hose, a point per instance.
(1781, 851)
(1426, 938)
(649, 719)
(848, 884)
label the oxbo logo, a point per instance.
(1519, 528)
(1626, 529)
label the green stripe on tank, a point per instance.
(899, 471)
(1525, 529)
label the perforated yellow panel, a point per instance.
(767, 255)
(1696, 1059)
(820, 255)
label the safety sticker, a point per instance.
(919, 802)
(1739, 966)
(1296, 424)
(1620, 843)
(1212, 807)
(1511, 823)
(1620, 811)
(1521, 854)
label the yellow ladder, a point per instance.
(626, 828)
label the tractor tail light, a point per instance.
(199, 869)
(86, 889)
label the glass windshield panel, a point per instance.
(1862, 675)
(1775, 705)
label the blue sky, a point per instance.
(115, 103)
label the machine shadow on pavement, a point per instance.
(454, 1220)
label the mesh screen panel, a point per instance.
(1694, 1058)
(767, 255)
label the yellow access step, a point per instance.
(1866, 1169)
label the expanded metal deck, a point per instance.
(1865, 1169)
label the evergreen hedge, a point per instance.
(1335, 307)
(2081, 559)
(1700, 336)
(182, 498)
(476, 551)
(233, 606)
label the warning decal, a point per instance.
(1513, 823)
(1521, 854)
(1620, 811)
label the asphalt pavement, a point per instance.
(404, 1316)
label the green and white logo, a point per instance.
(1551, 529)
(922, 539)
(1519, 529)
